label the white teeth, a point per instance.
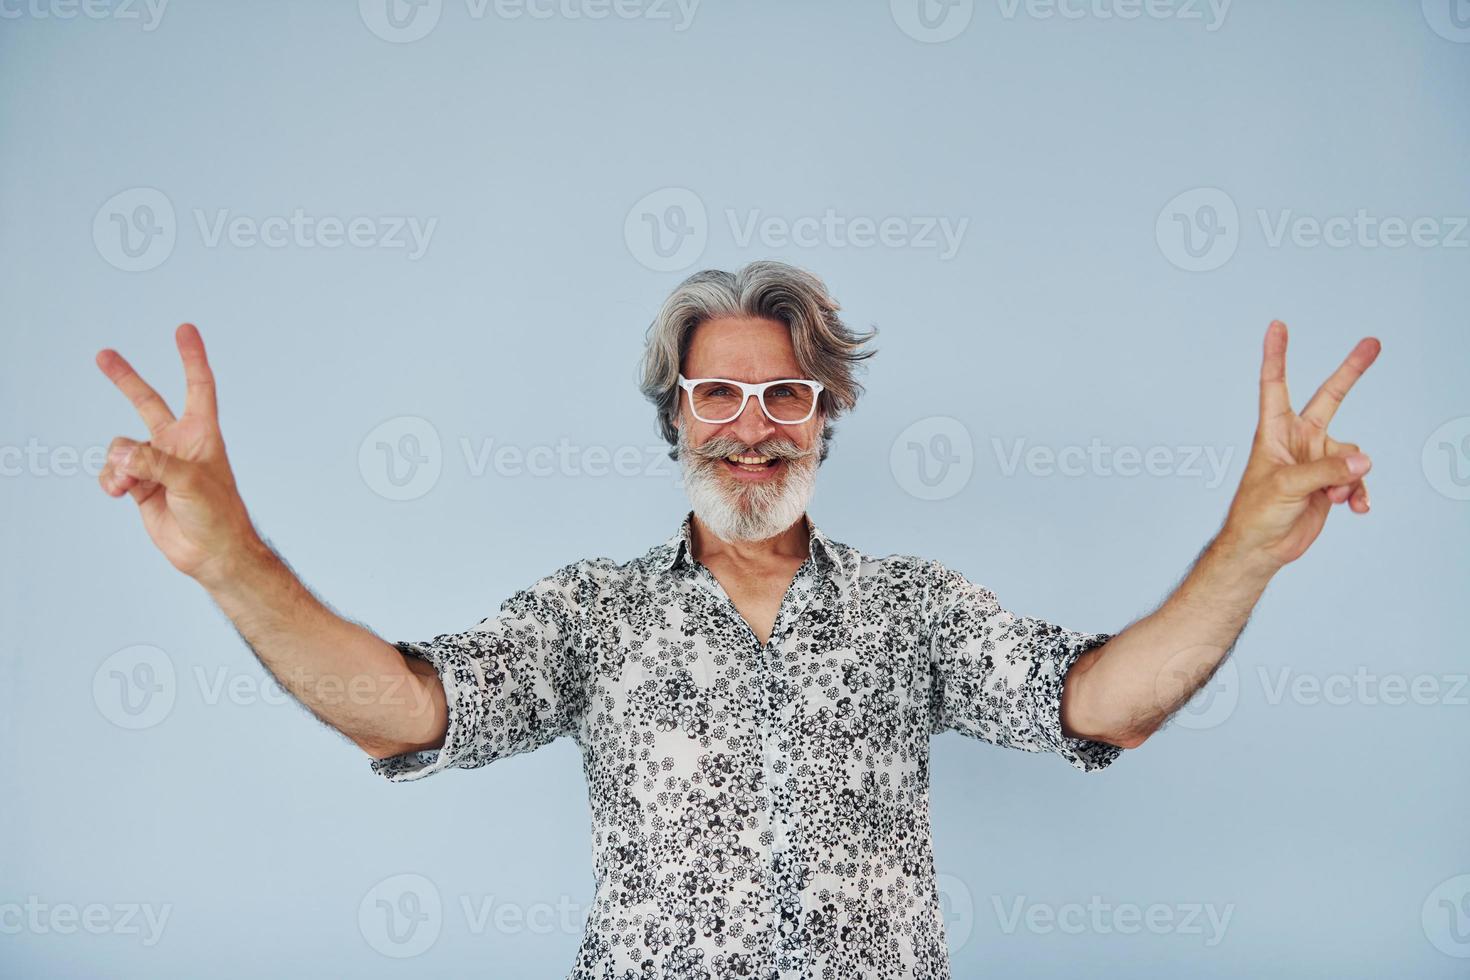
(750, 460)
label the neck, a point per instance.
(790, 543)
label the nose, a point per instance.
(751, 426)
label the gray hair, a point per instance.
(826, 348)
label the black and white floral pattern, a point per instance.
(758, 810)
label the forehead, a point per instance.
(742, 349)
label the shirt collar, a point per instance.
(835, 554)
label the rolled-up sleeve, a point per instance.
(998, 677)
(512, 683)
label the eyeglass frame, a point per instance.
(757, 389)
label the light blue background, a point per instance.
(1326, 827)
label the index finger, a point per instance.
(1324, 403)
(1274, 399)
(199, 396)
(150, 405)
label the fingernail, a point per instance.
(125, 457)
(1357, 464)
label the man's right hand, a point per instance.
(348, 676)
(180, 476)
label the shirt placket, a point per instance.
(774, 710)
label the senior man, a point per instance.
(752, 698)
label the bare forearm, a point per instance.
(346, 675)
(1126, 689)
(190, 504)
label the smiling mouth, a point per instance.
(746, 463)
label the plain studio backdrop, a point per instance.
(423, 243)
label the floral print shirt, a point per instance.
(758, 810)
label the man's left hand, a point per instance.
(1296, 471)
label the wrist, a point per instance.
(243, 563)
(1237, 550)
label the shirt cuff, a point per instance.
(462, 682)
(1084, 753)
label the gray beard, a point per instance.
(747, 512)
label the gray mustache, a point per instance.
(722, 446)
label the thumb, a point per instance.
(153, 465)
(1303, 479)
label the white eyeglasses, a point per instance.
(789, 401)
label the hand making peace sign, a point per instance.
(180, 476)
(1296, 471)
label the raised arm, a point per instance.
(181, 480)
(1126, 689)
